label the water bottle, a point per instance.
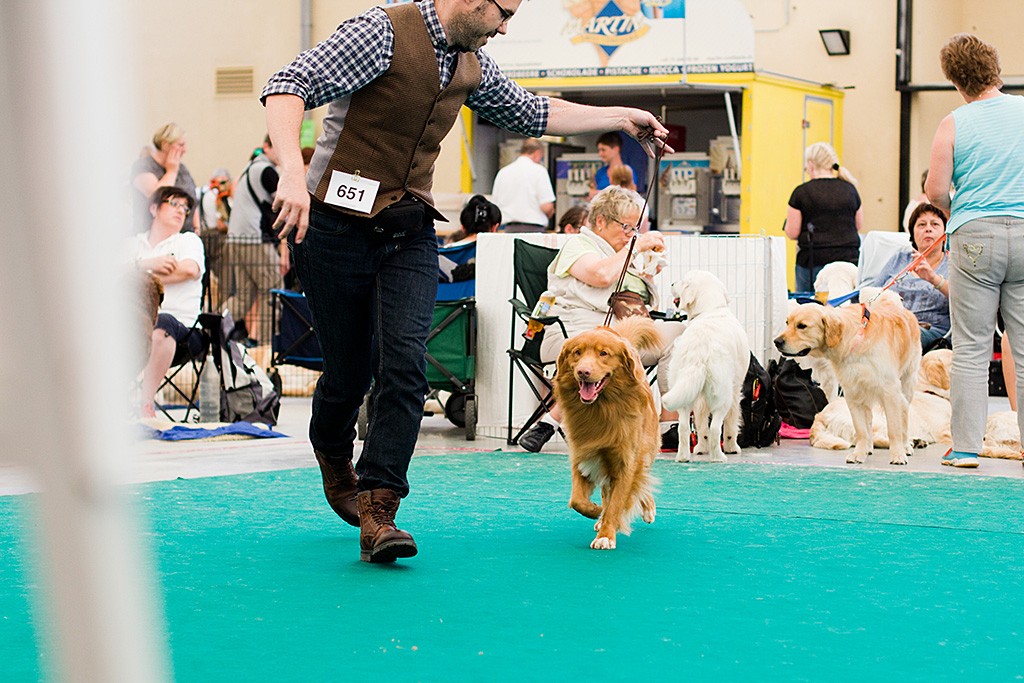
(543, 307)
(209, 393)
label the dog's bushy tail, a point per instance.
(641, 332)
(686, 386)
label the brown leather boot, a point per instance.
(340, 486)
(379, 539)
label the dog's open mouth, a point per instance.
(799, 354)
(590, 390)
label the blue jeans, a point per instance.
(805, 278)
(372, 303)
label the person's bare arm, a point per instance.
(548, 208)
(940, 169)
(858, 220)
(284, 120)
(794, 221)
(571, 118)
(596, 271)
(185, 269)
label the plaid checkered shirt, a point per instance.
(361, 49)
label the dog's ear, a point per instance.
(563, 355)
(630, 360)
(686, 296)
(832, 329)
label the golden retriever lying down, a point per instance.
(927, 423)
(610, 423)
(875, 355)
(1002, 436)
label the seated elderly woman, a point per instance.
(924, 288)
(583, 276)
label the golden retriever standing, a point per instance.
(611, 424)
(875, 352)
(709, 361)
(928, 418)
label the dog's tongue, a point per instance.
(589, 390)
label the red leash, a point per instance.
(865, 311)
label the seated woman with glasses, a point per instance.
(924, 289)
(583, 276)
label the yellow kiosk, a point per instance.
(692, 62)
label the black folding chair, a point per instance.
(530, 269)
(181, 386)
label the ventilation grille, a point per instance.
(234, 80)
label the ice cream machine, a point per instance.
(573, 174)
(694, 197)
(683, 192)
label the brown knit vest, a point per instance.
(395, 125)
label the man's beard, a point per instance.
(464, 35)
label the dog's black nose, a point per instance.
(779, 342)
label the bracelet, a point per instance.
(942, 281)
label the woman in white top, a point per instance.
(583, 276)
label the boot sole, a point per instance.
(389, 552)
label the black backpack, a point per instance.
(760, 419)
(797, 397)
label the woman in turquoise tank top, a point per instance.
(978, 151)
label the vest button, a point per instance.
(414, 165)
(430, 122)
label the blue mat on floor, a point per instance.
(184, 433)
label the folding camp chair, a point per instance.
(456, 276)
(184, 385)
(451, 360)
(294, 341)
(530, 270)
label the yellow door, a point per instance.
(819, 121)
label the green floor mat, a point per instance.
(749, 572)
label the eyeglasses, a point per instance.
(178, 204)
(505, 14)
(626, 227)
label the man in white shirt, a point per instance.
(176, 259)
(523, 192)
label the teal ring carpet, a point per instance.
(750, 572)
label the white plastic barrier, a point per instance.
(752, 268)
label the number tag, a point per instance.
(352, 191)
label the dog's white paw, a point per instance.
(898, 459)
(603, 543)
(683, 456)
(855, 458)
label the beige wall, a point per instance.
(181, 43)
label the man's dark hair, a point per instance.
(162, 194)
(611, 139)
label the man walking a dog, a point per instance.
(361, 221)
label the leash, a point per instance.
(913, 264)
(865, 307)
(641, 136)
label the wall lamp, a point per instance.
(836, 40)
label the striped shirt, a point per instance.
(988, 160)
(361, 49)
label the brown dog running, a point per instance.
(611, 424)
